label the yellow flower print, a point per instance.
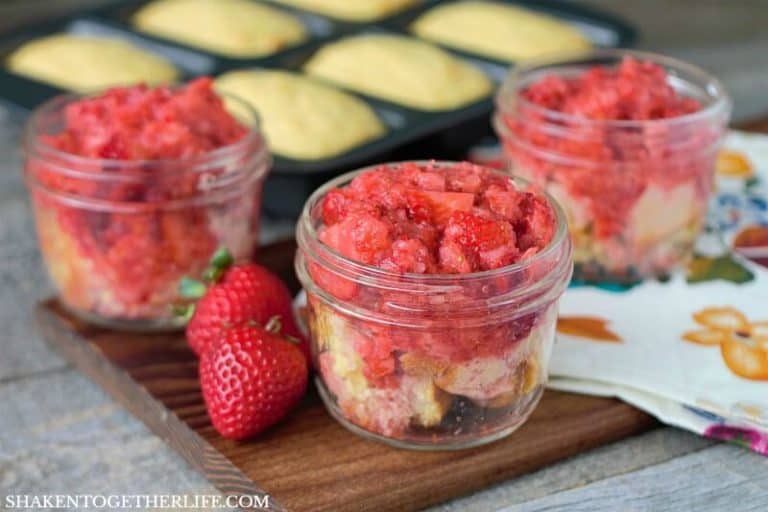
(743, 344)
(733, 164)
(593, 328)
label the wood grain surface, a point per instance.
(309, 462)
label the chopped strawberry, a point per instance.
(425, 218)
(339, 287)
(443, 204)
(433, 181)
(467, 180)
(491, 241)
(504, 202)
(335, 206)
(361, 238)
(537, 223)
(409, 256)
(455, 259)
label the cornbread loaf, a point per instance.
(236, 28)
(303, 118)
(500, 31)
(402, 70)
(82, 63)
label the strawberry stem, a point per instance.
(220, 261)
(183, 311)
(222, 257)
(191, 288)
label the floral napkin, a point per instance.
(692, 350)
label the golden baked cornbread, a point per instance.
(301, 117)
(352, 10)
(500, 31)
(417, 401)
(236, 28)
(400, 69)
(84, 64)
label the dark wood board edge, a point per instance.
(203, 457)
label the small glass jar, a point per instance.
(437, 361)
(635, 192)
(116, 236)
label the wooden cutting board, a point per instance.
(310, 462)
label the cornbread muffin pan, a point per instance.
(410, 133)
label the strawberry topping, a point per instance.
(418, 218)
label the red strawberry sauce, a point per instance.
(144, 123)
(418, 219)
(634, 90)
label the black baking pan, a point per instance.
(410, 133)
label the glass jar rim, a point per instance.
(306, 228)
(33, 145)
(721, 101)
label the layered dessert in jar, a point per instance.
(135, 188)
(626, 142)
(432, 290)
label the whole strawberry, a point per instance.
(251, 379)
(236, 294)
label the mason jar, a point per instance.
(117, 236)
(635, 192)
(430, 361)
